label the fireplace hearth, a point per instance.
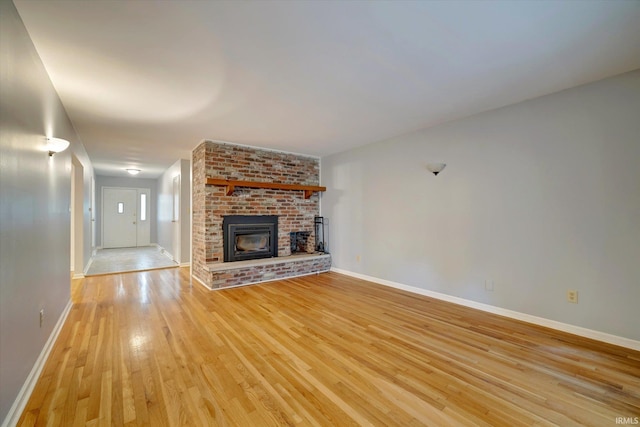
(248, 237)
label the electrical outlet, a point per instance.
(572, 296)
(41, 317)
(488, 285)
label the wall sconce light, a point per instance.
(56, 145)
(436, 168)
(133, 171)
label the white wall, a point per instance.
(34, 206)
(166, 235)
(540, 197)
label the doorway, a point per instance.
(77, 217)
(175, 220)
(125, 217)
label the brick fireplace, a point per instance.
(295, 212)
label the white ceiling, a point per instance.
(145, 81)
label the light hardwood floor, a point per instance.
(151, 348)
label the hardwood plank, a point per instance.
(153, 348)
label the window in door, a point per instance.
(143, 207)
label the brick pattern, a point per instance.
(199, 215)
(210, 203)
(257, 274)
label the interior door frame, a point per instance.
(76, 208)
(176, 220)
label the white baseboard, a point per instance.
(27, 388)
(75, 275)
(165, 252)
(193, 276)
(170, 256)
(86, 269)
(541, 321)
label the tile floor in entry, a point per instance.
(121, 260)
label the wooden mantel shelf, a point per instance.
(231, 185)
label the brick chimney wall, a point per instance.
(234, 162)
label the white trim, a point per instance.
(27, 388)
(273, 150)
(86, 269)
(164, 252)
(541, 321)
(78, 276)
(191, 213)
(193, 276)
(168, 255)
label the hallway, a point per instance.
(121, 260)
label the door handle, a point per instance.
(134, 222)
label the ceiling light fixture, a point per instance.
(436, 168)
(133, 171)
(56, 145)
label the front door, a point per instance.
(119, 216)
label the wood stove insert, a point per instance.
(248, 237)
